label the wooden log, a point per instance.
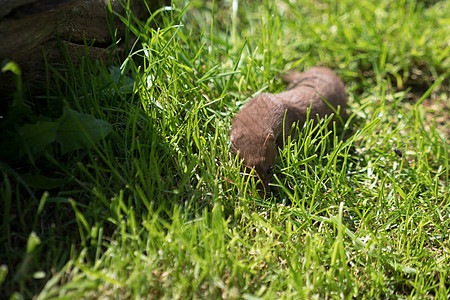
(31, 29)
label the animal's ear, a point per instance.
(270, 140)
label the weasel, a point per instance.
(257, 129)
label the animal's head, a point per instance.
(258, 153)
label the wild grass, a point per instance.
(159, 209)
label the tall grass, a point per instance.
(159, 208)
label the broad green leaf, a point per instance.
(79, 131)
(43, 182)
(37, 137)
(123, 82)
(15, 113)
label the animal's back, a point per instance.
(314, 85)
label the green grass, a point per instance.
(158, 208)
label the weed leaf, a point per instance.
(77, 130)
(43, 182)
(36, 137)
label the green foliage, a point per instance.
(160, 208)
(79, 131)
(73, 130)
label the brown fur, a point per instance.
(256, 130)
